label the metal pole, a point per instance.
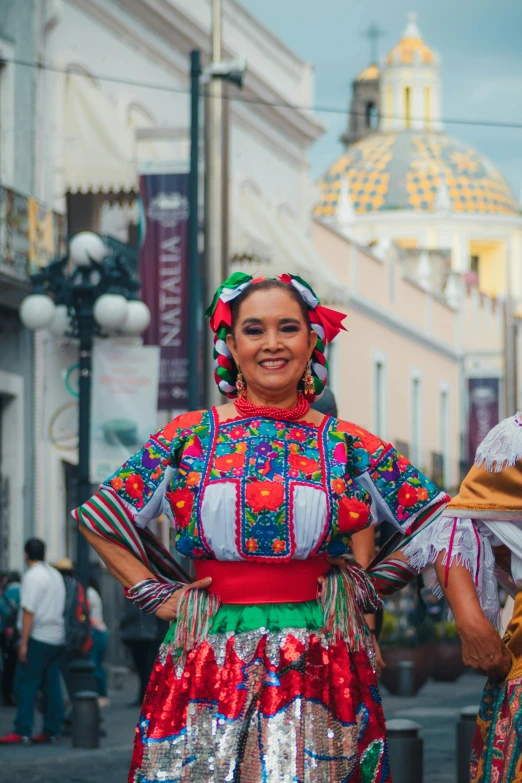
(85, 330)
(406, 751)
(509, 358)
(464, 736)
(216, 192)
(194, 401)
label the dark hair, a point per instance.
(268, 285)
(326, 403)
(93, 582)
(35, 549)
(13, 576)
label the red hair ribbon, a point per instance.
(330, 320)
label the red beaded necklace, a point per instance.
(247, 409)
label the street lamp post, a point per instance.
(89, 292)
(216, 78)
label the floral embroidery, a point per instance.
(134, 486)
(297, 435)
(340, 454)
(403, 488)
(407, 495)
(338, 486)
(304, 464)
(264, 495)
(266, 459)
(353, 515)
(182, 501)
(230, 461)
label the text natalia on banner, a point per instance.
(164, 278)
(484, 411)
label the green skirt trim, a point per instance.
(240, 618)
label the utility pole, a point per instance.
(194, 401)
(216, 192)
(510, 358)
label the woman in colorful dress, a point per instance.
(489, 505)
(267, 673)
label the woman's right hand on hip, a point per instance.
(169, 610)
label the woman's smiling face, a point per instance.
(271, 342)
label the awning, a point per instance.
(99, 145)
(269, 242)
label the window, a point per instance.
(427, 107)
(372, 117)
(407, 107)
(406, 243)
(389, 108)
(416, 418)
(444, 431)
(379, 395)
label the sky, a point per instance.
(479, 44)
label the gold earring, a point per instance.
(240, 382)
(308, 381)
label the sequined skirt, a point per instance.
(266, 698)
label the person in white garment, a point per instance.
(42, 642)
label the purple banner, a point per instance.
(484, 411)
(164, 277)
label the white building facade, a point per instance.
(115, 103)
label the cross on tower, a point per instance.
(373, 33)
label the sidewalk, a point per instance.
(436, 707)
(61, 763)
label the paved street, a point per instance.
(436, 708)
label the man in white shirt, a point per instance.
(42, 630)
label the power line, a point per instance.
(254, 101)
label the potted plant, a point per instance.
(400, 643)
(447, 664)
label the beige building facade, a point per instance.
(403, 367)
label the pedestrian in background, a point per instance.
(142, 633)
(100, 640)
(78, 635)
(42, 639)
(9, 634)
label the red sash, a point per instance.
(239, 582)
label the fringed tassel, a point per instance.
(196, 610)
(346, 595)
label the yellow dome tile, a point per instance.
(404, 170)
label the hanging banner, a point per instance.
(484, 411)
(60, 395)
(123, 406)
(164, 277)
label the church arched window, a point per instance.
(407, 107)
(372, 116)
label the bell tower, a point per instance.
(410, 84)
(365, 103)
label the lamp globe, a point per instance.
(110, 311)
(37, 311)
(61, 321)
(138, 318)
(86, 247)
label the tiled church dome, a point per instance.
(404, 170)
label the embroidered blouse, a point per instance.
(264, 490)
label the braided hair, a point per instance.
(223, 314)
